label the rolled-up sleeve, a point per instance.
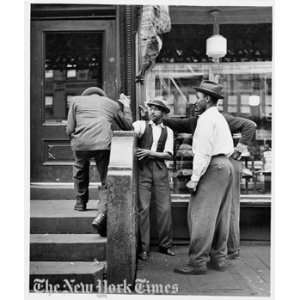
(139, 127)
(202, 148)
(169, 146)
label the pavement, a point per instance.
(247, 276)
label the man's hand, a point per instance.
(236, 155)
(143, 113)
(192, 186)
(143, 153)
(125, 100)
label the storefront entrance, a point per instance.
(66, 57)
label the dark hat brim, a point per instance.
(164, 108)
(209, 92)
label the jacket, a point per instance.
(90, 121)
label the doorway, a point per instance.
(67, 56)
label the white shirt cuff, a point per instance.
(195, 178)
(241, 148)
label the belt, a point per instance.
(218, 155)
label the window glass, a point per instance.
(72, 62)
(246, 75)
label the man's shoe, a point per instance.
(166, 251)
(143, 255)
(99, 223)
(190, 270)
(220, 265)
(80, 206)
(233, 255)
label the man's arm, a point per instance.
(181, 125)
(168, 150)
(124, 119)
(142, 153)
(202, 150)
(241, 125)
(71, 122)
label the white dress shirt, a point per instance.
(212, 137)
(139, 129)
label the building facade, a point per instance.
(77, 46)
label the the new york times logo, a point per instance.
(142, 286)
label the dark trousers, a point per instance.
(234, 231)
(209, 213)
(81, 171)
(154, 186)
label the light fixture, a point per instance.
(254, 100)
(216, 45)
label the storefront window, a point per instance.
(246, 74)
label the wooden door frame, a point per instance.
(38, 127)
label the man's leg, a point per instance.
(102, 160)
(219, 245)
(145, 191)
(205, 205)
(81, 178)
(161, 192)
(234, 232)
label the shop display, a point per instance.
(247, 94)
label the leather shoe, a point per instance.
(190, 270)
(220, 265)
(99, 223)
(166, 251)
(233, 255)
(80, 206)
(143, 255)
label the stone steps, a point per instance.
(59, 217)
(64, 246)
(65, 276)
(67, 247)
(65, 251)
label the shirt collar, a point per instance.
(153, 124)
(209, 110)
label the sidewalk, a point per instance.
(247, 276)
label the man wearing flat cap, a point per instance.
(210, 185)
(155, 145)
(89, 127)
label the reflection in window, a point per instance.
(247, 94)
(73, 62)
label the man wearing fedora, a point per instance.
(210, 184)
(89, 127)
(155, 145)
(247, 130)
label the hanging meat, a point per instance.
(154, 21)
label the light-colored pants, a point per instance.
(209, 213)
(234, 231)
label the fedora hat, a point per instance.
(159, 103)
(210, 88)
(93, 90)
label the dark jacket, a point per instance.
(236, 124)
(90, 120)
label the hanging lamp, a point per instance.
(216, 45)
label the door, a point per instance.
(67, 56)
